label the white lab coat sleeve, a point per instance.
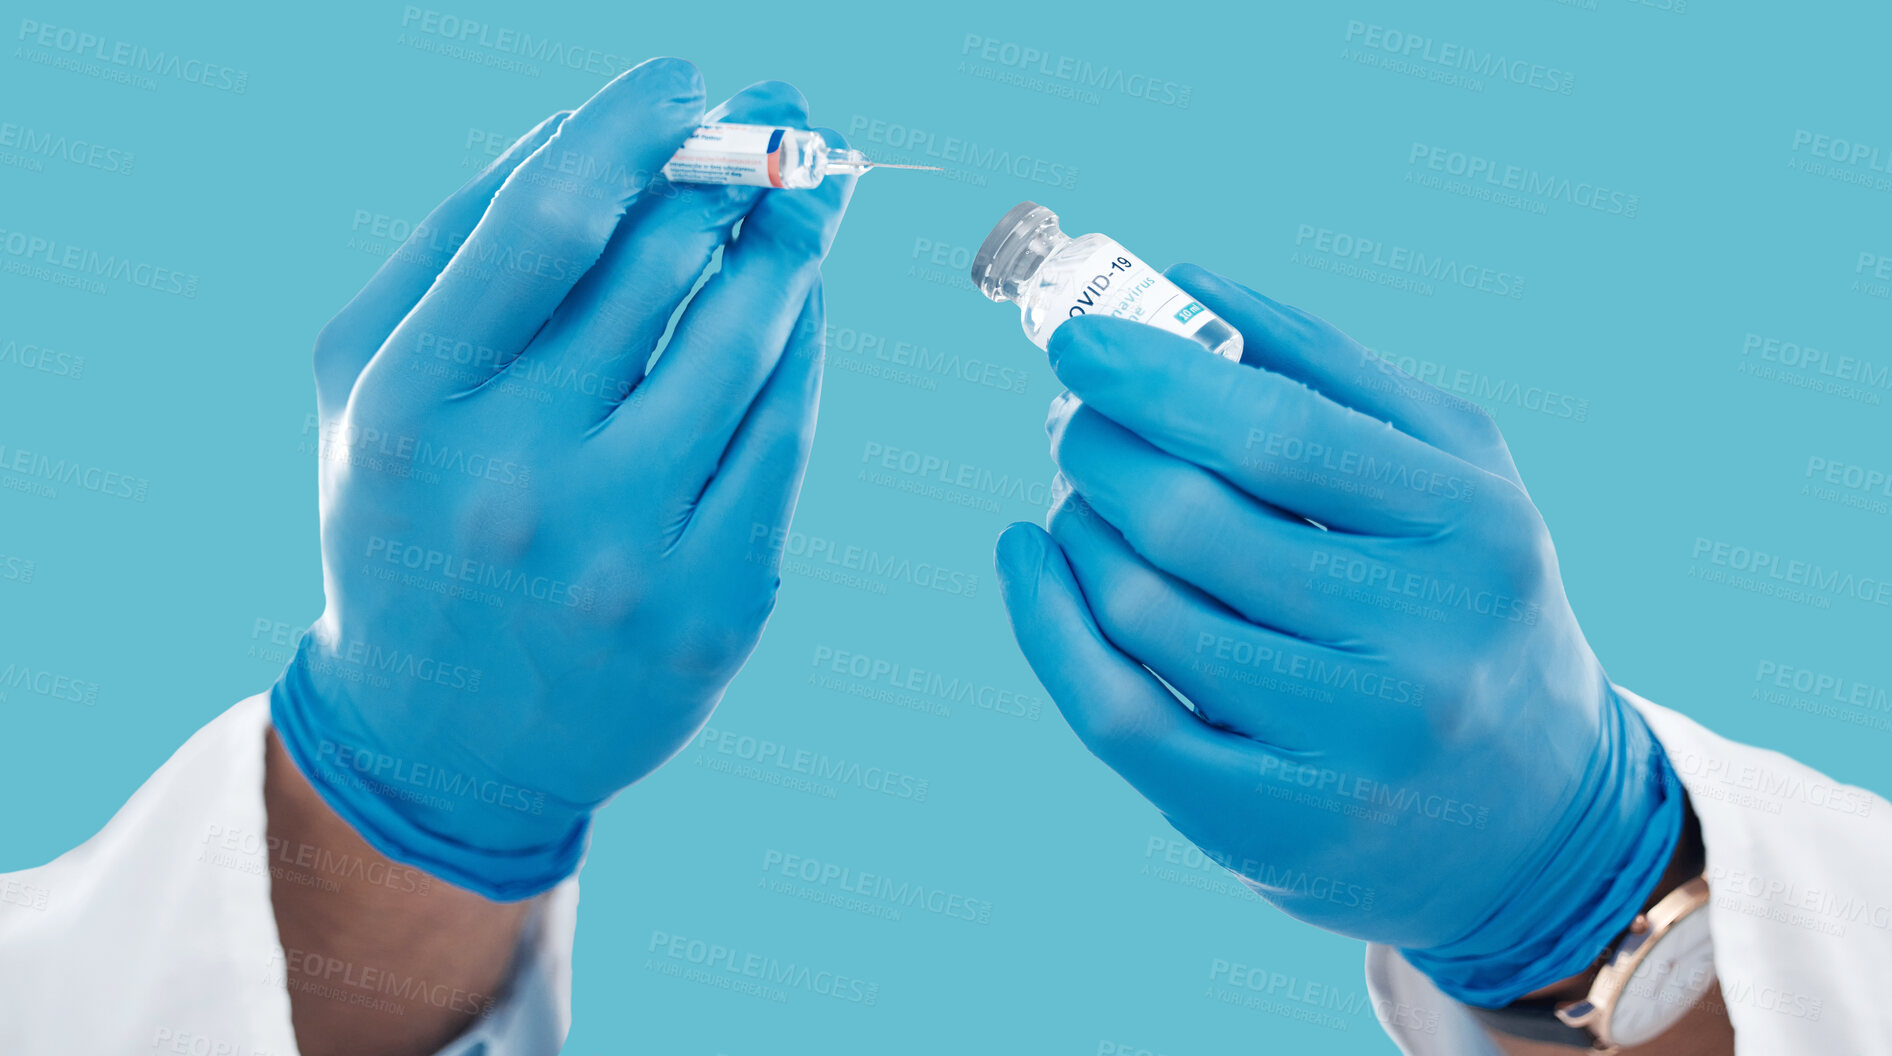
(1800, 878)
(157, 935)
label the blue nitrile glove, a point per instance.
(1399, 733)
(542, 567)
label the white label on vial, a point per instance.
(747, 155)
(1117, 283)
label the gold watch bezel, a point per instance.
(1595, 1011)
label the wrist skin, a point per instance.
(379, 958)
(1704, 1031)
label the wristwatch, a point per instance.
(1657, 970)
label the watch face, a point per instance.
(1668, 982)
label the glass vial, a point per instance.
(1054, 277)
(759, 156)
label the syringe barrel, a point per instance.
(750, 156)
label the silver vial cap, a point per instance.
(1011, 254)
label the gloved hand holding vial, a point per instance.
(1339, 569)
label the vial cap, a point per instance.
(994, 265)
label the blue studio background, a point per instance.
(1698, 198)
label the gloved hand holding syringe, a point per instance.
(766, 156)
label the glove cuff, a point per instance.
(1592, 879)
(368, 787)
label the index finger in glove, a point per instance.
(732, 334)
(1266, 433)
(614, 318)
(1122, 712)
(350, 339)
(549, 222)
(1288, 341)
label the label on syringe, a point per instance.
(745, 155)
(1122, 286)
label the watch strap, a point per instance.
(1534, 1019)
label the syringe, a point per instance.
(765, 156)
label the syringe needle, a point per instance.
(853, 163)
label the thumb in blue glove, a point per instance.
(1387, 692)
